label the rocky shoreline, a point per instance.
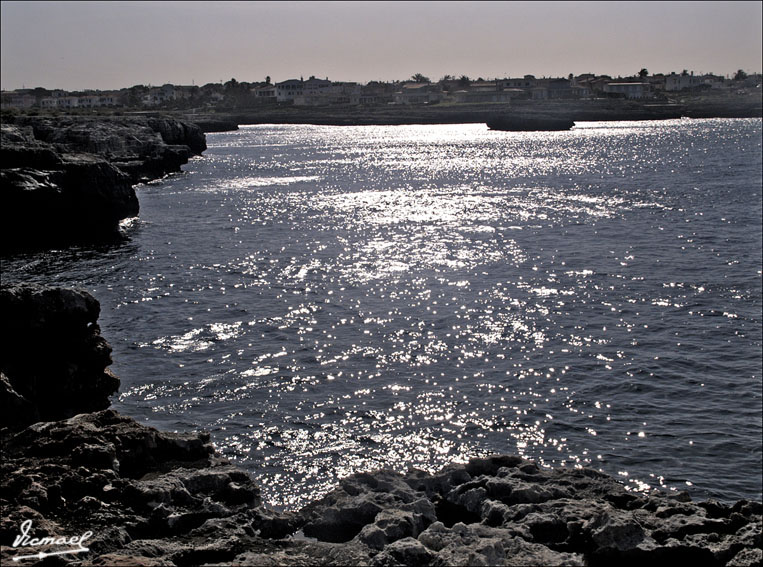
(70, 179)
(75, 471)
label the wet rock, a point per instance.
(96, 456)
(521, 553)
(467, 497)
(175, 513)
(343, 521)
(617, 532)
(475, 544)
(82, 199)
(176, 132)
(21, 149)
(150, 485)
(547, 528)
(439, 483)
(490, 465)
(679, 526)
(271, 524)
(14, 408)
(300, 554)
(122, 560)
(493, 513)
(514, 491)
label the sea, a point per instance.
(327, 300)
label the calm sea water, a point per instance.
(326, 300)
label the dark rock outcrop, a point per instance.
(51, 198)
(145, 497)
(163, 144)
(54, 360)
(69, 179)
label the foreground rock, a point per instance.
(152, 498)
(137, 496)
(69, 179)
(134, 488)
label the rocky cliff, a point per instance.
(69, 179)
(137, 496)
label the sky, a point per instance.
(110, 45)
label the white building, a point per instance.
(674, 82)
(287, 90)
(159, 95)
(313, 85)
(582, 91)
(89, 101)
(265, 93)
(82, 101)
(109, 99)
(713, 81)
(68, 102)
(486, 92)
(526, 82)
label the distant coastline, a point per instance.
(223, 106)
(581, 111)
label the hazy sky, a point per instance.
(109, 45)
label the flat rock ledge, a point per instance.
(143, 497)
(70, 179)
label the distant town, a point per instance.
(419, 90)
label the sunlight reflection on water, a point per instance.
(434, 292)
(328, 300)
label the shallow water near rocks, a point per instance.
(329, 300)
